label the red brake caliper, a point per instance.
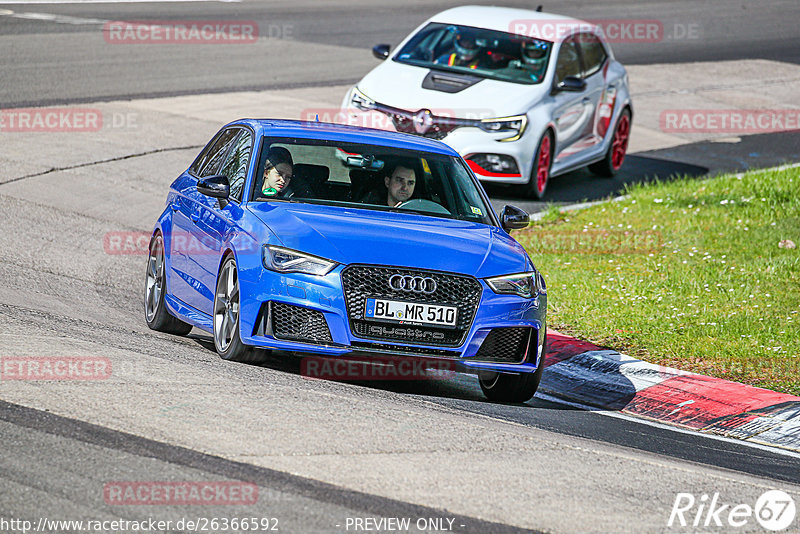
(544, 164)
(620, 142)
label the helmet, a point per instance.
(534, 53)
(466, 45)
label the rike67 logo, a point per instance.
(775, 511)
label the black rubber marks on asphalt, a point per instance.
(364, 503)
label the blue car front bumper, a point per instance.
(323, 315)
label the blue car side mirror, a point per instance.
(216, 186)
(514, 218)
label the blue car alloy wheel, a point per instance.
(341, 244)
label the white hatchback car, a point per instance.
(521, 95)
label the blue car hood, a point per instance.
(349, 235)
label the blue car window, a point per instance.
(374, 177)
(237, 162)
(209, 161)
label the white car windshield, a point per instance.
(479, 52)
(370, 177)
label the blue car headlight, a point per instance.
(285, 260)
(523, 284)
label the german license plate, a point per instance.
(412, 312)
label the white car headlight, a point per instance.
(515, 125)
(285, 260)
(523, 284)
(360, 100)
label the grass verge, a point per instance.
(695, 274)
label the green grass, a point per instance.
(687, 273)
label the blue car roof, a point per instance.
(341, 132)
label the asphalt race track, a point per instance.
(325, 456)
(311, 43)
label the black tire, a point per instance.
(608, 167)
(227, 340)
(534, 188)
(156, 313)
(502, 387)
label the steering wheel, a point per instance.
(421, 204)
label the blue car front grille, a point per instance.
(506, 345)
(298, 323)
(367, 281)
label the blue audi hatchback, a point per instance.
(339, 242)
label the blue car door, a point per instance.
(190, 246)
(214, 222)
(180, 230)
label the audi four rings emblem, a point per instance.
(416, 284)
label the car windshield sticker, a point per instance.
(425, 166)
(270, 191)
(476, 211)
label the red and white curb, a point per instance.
(585, 374)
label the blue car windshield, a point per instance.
(370, 177)
(478, 52)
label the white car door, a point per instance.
(573, 110)
(595, 64)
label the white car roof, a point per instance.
(501, 19)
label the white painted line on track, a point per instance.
(59, 19)
(656, 424)
(769, 169)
